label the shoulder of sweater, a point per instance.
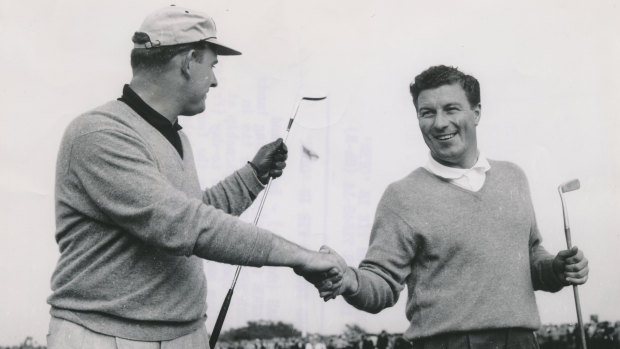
(113, 116)
(400, 191)
(504, 165)
(507, 168)
(415, 177)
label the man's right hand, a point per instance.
(329, 286)
(319, 266)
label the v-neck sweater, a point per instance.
(470, 260)
(133, 227)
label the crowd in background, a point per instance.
(361, 341)
(599, 335)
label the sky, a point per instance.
(550, 84)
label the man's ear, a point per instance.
(477, 113)
(187, 61)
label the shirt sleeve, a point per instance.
(387, 265)
(117, 172)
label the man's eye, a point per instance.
(426, 115)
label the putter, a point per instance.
(565, 188)
(222, 315)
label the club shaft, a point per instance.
(579, 318)
(224, 310)
(575, 289)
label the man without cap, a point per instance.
(133, 224)
(461, 233)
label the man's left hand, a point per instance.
(571, 266)
(270, 160)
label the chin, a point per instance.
(193, 111)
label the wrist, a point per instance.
(350, 284)
(557, 270)
(262, 177)
(256, 171)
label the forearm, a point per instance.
(131, 192)
(544, 278)
(369, 291)
(285, 253)
(235, 193)
(382, 273)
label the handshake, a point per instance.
(329, 273)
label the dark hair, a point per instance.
(155, 58)
(440, 75)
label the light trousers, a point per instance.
(65, 334)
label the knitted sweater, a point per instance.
(132, 222)
(470, 260)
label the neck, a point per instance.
(158, 95)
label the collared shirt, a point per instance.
(163, 125)
(471, 179)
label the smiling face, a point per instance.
(448, 124)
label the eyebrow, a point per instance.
(425, 109)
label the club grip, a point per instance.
(220, 319)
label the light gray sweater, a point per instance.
(132, 222)
(470, 260)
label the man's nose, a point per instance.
(441, 120)
(214, 81)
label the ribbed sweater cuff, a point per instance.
(250, 179)
(554, 282)
(352, 298)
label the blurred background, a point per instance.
(550, 84)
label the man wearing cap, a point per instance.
(133, 224)
(461, 233)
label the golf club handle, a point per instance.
(220, 319)
(579, 318)
(290, 121)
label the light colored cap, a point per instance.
(175, 25)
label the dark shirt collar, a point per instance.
(151, 115)
(155, 119)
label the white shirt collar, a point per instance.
(481, 166)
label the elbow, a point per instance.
(174, 244)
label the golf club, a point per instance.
(222, 315)
(565, 188)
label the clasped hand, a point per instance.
(330, 282)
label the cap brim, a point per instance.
(222, 50)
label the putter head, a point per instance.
(313, 94)
(314, 98)
(569, 186)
